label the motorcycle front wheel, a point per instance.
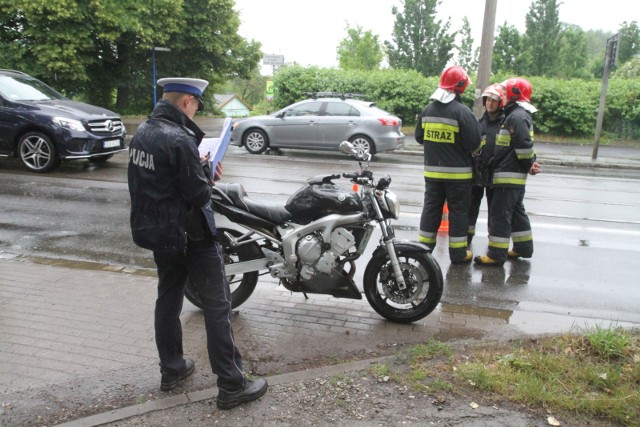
(241, 285)
(423, 279)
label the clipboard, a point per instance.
(216, 147)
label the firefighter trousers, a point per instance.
(474, 209)
(457, 195)
(509, 221)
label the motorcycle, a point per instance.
(308, 243)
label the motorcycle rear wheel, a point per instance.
(422, 276)
(241, 285)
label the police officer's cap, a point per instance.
(185, 85)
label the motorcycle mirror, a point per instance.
(347, 148)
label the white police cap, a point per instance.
(184, 85)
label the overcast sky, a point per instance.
(309, 31)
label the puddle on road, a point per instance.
(89, 265)
(479, 311)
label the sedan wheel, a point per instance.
(37, 153)
(363, 145)
(256, 141)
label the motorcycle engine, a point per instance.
(314, 259)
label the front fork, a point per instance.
(395, 264)
(387, 237)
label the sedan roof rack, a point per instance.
(340, 95)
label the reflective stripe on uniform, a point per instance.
(525, 153)
(510, 178)
(499, 242)
(522, 236)
(427, 237)
(458, 242)
(504, 138)
(438, 129)
(442, 172)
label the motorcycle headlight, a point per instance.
(390, 204)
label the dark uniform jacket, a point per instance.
(170, 192)
(514, 153)
(449, 133)
(483, 159)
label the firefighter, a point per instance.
(514, 158)
(492, 100)
(449, 133)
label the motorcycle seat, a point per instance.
(271, 212)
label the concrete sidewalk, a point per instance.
(75, 334)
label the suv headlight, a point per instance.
(69, 123)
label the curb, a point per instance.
(202, 395)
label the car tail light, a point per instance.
(389, 122)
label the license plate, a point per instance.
(111, 143)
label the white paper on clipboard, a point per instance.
(216, 147)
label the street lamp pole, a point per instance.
(153, 64)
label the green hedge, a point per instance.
(566, 108)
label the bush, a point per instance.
(566, 108)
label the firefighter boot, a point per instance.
(485, 260)
(514, 254)
(468, 257)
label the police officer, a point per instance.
(514, 158)
(492, 99)
(449, 133)
(170, 193)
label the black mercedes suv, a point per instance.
(41, 127)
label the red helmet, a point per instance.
(455, 79)
(518, 89)
(495, 91)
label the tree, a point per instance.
(542, 37)
(467, 55)
(102, 48)
(250, 89)
(419, 41)
(359, 50)
(629, 41)
(629, 70)
(572, 60)
(508, 51)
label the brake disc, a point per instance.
(412, 278)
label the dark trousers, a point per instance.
(477, 193)
(509, 221)
(458, 197)
(203, 263)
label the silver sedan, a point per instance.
(321, 124)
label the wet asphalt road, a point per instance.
(586, 228)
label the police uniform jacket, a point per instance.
(449, 133)
(514, 153)
(169, 189)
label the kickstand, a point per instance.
(305, 295)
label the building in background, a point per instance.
(232, 105)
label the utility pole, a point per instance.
(610, 60)
(486, 53)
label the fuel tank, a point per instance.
(313, 201)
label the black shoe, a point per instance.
(170, 381)
(252, 390)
